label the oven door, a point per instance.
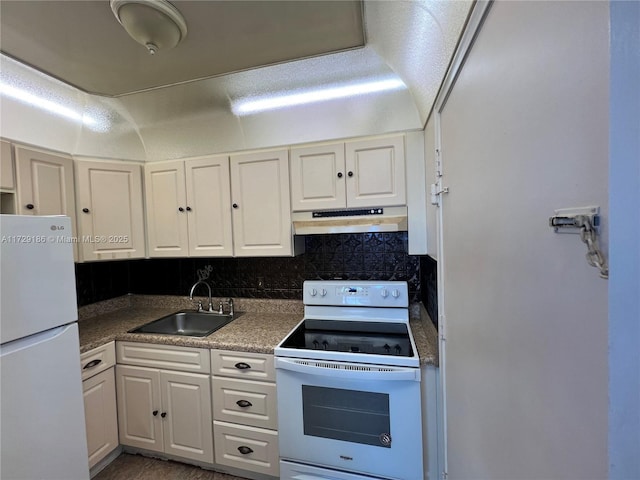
(352, 417)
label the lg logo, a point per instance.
(57, 227)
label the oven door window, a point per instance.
(348, 415)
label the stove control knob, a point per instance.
(398, 349)
(395, 293)
(384, 293)
(316, 344)
(387, 348)
(325, 344)
(323, 292)
(313, 292)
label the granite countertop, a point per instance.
(262, 325)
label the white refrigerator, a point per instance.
(42, 431)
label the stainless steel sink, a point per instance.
(187, 323)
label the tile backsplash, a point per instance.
(362, 256)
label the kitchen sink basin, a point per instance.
(187, 323)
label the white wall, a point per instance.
(624, 283)
(525, 131)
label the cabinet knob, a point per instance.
(339, 174)
(155, 413)
(188, 209)
(163, 414)
(85, 210)
(242, 366)
(235, 205)
(245, 450)
(244, 403)
(350, 174)
(30, 206)
(180, 209)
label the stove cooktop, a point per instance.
(373, 338)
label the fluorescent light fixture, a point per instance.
(45, 104)
(272, 102)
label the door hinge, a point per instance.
(438, 163)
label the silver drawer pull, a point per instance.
(92, 364)
(244, 403)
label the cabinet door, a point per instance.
(110, 210)
(45, 184)
(261, 206)
(7, 181)
(166, 209)
(186, 400)
(139, 407)
(318, 178)
(209, 206)
(376, 172)
(101, 417)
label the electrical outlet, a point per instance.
(260, 283)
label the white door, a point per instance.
(261, 205)
(43, 432)
(376, 172)
(524, 314)
(101, 417)
(186, 401)
(110, 210)
(139, 407)
(208, 206)
(166, 209)
(318, 177)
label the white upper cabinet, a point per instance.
(166, 209)
(261, 205)
(376, 172)
(7, 181)
(363, 173)
(209, 206)
(318, 177)
(110, 210)
(45, 183)
(189, 208)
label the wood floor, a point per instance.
(137, 467)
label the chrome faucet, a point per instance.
(200, 309)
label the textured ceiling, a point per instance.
(82, 43)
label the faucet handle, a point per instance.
(220, 308)
(230, 303)
(200, 306)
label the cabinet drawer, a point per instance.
(260, 448)
(245, 401)
(256, 366)
(186, 359)
(98, 360)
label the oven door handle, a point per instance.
(349, 371)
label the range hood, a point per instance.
(378, 219)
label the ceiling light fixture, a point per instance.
(45, 104)
(156, 24)
(254, 105)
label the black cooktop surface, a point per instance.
(352, 337)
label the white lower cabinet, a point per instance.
(99, 391)
(161, 410)
(245, 411)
